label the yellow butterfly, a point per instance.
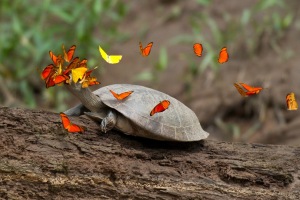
(291, 101)
(111, 59)
(78, 73)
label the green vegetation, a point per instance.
(29, 29)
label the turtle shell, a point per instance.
(177, 123)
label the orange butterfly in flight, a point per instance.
(241, 87)
(146, 51)
(72, 128)
(122, 95)
(291, 102)
(162, 106)
(198, 49)
(223, 56)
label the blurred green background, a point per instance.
(260, 35)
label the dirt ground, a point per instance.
(221, 110)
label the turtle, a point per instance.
(132, 115)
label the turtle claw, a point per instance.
(107, 123)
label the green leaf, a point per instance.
(144, 76)
(163, 60)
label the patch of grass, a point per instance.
(31, 28)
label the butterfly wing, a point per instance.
(111, 59)
(122, 95)
(75, 62)
(68, 125)
(47, 71)
(291, 101)
(251, 90)
(89, 81)
(60, 78)
(103, 54)
(53, 57)
(223, 56)
(57, 60)
(162, 106)
(114, 59)
(247, 87)
(198, 49)
(146, 51)
(65, 120)
(78, 73)
(69, 55)
(240, 90)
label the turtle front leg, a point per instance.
(107, 123)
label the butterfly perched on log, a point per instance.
(70, 127)
(146, 50)
(122, 95)
(291, 102)
(162, 106)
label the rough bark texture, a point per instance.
(40, 160)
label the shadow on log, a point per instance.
(40, 160)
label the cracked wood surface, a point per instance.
(40, 160)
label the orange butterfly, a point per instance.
(72, 128)
(47, 71)
(162, 106)
(223, 56)
(146, 51)
(240, 90)
(291, 102)
(49, 82)
(198, 49)
(122, 95)
(88, 80)
(69, 55)
(60, 79)
(241, 87)
(75, 62)
(57, 60)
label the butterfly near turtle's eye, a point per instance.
(223, 56)
(146, 51)
(111, 59)
(198, 49)
(122, 95)
(291, 102)
(161, 107)
(70, 127)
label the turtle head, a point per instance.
(86, 96)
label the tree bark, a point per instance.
(40, 160)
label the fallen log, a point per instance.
(40, 160)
